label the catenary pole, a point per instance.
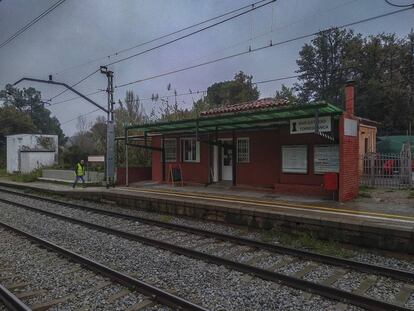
(110, 129)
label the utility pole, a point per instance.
(110, 129)
(110, 168)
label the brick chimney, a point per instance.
(349, 96)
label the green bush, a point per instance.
(29, 177)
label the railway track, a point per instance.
(10, 301)
(206, 245)
(54, 278)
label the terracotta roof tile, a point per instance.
(246, 106)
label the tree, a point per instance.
(131, 111)
(238, 90)
(325, 64)
(381, 65)
(287, 93)
(29, 101)
(12, 121)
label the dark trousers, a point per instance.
(76, 181)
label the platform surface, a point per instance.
(392, 209)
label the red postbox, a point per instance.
(330, 181)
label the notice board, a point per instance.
(295, 159)
(326, 159)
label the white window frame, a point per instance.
(247, 160)
(165, 149)
(197, 145)
(291, 170)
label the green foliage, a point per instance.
(3, 173)
(73, 155)
(37, 118)
(305, 240)
(287, 93)
(131, 111)
(29, 177)
(238, 90)
(381, 65)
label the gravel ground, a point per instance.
(385, 289)
(40, 268)
(410, 302)
(359, 255)
(215, 287)
(293, 267)
(319, 274)
(350, 281)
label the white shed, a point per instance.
(26, 152)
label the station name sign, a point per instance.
(307, 125)
(96, 158)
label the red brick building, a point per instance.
(266, 143)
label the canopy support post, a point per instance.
(234, 160)
(126, 158)
(163, 158)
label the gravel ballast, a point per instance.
(57, 277)
(214, 287)
(385, 289)
(362, 255)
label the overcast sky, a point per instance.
(80, 31)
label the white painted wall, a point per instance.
(34, 160)
(17, 142)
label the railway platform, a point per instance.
(374, 223)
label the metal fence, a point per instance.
(387, 170)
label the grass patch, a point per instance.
(165, 218)
(366, 188)
(365, 191)
(29, 177)
(307, 241)
(411, 194)
(3, 172)
(242, 231)
(364, 194)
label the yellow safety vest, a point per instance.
(80, 171)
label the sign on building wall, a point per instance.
(295, 159)
(350, 127)
(307, 125)
(326, 159)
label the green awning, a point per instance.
(238, 121)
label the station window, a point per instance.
(190, 150)
(295, 159)
(170, 147)
(243, 150)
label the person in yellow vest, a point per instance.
(79, 172)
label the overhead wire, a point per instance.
(263, 47)
(74, 98)
(31, 23)
(399, 5)
(81, 115)
(73, 85)
(253, 6)
(160, 37)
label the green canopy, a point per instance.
(393, 144)
(253, 119)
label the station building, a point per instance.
(267, 143)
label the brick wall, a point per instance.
(348, 150)
(135, 174)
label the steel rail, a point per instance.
(315, 288)
(11, 301)
(397, 274)
(146, 289)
